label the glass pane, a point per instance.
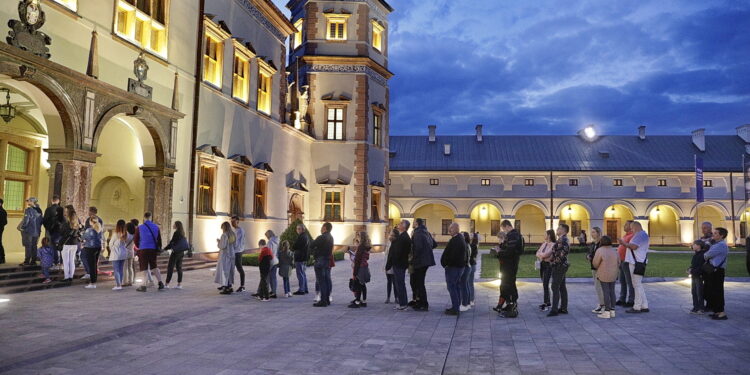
(14, 192)
(16, 159)
(339, 132)
(160, 11)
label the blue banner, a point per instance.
(698, 179)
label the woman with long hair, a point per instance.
(225, 263)
(389, 273)
(128, 274)
(71, 235)
(118, 251)
(179, 245)
(361, 270)
(92, 247)
(286, 261)
(596, 234)
(545, 269)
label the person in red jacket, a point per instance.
(264, 265)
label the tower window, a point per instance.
(336, 26)
(297, 38)
(335, 123)
(377, 36)
(377, 129)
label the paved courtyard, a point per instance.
(197, 331)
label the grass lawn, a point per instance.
(659, 265)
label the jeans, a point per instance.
(323, 275)
(640, 302)
(599, 289)
(272, 282)
(464, 286)
(559, 290)
(84, 261)
(471, 282)
(715, 290)
(608, 294)
(301, 268)
(361, 295)
(399, 285)
(453, 281)
(508, 289)
(627, 294)
(29, 243)
(69, 260)
(697, 289)
(545, 273)
(92, 258)
(175, 261)
(389, 279)
(45, 272)
(287, 287)
(129, 272)
(420, 292)
(118, 266)
(238, 266)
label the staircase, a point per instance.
(21, 279)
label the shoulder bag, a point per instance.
(708, 269)
(640, 267)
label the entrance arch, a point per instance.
(437, 218)
(531, 223)
(615, 217)
(578, 218)
(485, 219)
(664, 225)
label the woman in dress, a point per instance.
(225, 262)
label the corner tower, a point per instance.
(338, 74)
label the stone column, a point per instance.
(158, 194)
(71, 174)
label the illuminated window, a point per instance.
(143, 22)
(336, 26)
(70, 4)
(17, 175)
(528, 182)
(212, 61)
(434, 181)
(446, 224)
(573, 182)
(206, 181)
(375, 206)
(377, 36)
(485, 182)
(708, 183)
(264, 92)
(332, 207)
(241, 72)
(237, 193)
(377, 129)
(297, 38)
(335, 123)
(617, 182)
(16, 159)
(259, 201)
(661, 182)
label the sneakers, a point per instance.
(274, 295)
(598, 310)
(289, 295)
(227, 291)
(401, 308)
(299, 293)
(265, 300)
(240, 289)
(90, 286)
(696, 312)
(363, 304)
(451, 312)
(141, 288)
(471, 303)
(605, 315)
(353, 305)
(612, 313)
(86, 277)
(161, 285)
(117, 288)
(317, 298)
(47, 281)
(463, 308)
(719, 316)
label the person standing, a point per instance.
(322, 249)
(225, 262)
(582, 238)
(92, 247)
(128, 274)
(179, 246)
(239, 249)
(474, 246)
(3, 223)
(637, 252)
(509, 254)
(717, 256)
(118, 251)
(398, 260)
(30, 227)
(423, 258)
(543, 255)
(464, 281)
(273, 244)
(361, 270)
(51, 223)
(697, 279)
(627, 294)
(454, 261)
(148, 241)
(300, 248)
(286, 262)
(264, 266)
(596, 234)
(389, 279)
(71, 231)
(606, 263)
(559, 263)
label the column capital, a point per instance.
(63, 154)
(158, 171)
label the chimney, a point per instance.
(431, 128)
(744, 132)
(479, 133)
(447, 149)
(699, 139)
(642, 132)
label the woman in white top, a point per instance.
(545, 271)
(118, 251)
(225, 263)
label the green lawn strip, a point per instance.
(659, 265)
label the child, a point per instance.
(696, 278)
(46, 256)
(264, 265)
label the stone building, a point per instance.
(538, 182)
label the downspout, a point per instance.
(731, 194)
(194, 130)
(551, 202)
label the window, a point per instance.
(17, 174)
(434, 181)
(239, 79)
(528, 182)
(377, 36)
(446, 224)
(661, 182)
(494, 227)
(485, 182)
(573, 182)
(16, 159)
(335, 123)
(212, 60)
(617, 182)
(708, 183)
(143, 22)
(70, 4)
(332, 206)
(375, 206)
(206, 181)
(237, 193)
(377, 129)
(260, 197)
(265, 72)
(297, 38)
(336, 26)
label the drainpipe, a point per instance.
(194, 129)
(731, 194)
(551, 202)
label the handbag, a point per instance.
(355, 286)
(708, 269)
(640, 267)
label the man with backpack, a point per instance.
(509, 254)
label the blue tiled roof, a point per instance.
(565, 153)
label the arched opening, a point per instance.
(296, 210)
(664, 225)
(711, 214)
(615, 217)
(394, 215)
(437, 219)
(577, 217)
(531, 223)
(485, 219)
(744, 219)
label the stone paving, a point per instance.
(197, 331)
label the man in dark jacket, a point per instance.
(509, 255)
(50, 216)
(300, 247)
(322, 250)
(3, 223)
(398, 260)
(422, 259)
(454, 261)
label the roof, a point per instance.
(565, 153)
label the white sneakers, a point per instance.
(178, 286)
(90, 286)
(317, 297)
(117, 288)
(606, 314)
(463, 308)
(289, 295)
(85, 277)
(598, 310)
(471, 303)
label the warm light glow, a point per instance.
(146, 31)
(589, 132)
(3, 300)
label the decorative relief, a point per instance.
(339, 68)
(25, 34)
(140, 69)
(250, 8)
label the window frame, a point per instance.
(206, 161)
(29, 178)
(485, 182)
(434, 182)
(617, 182)
(262, 197)
(298, 37)
(662, 182)
(573, 182)
(377, 127)
(243, 54)
(444, 226)
(529, 182)
(338, 19)
(376, 205)
(328, 121)
(241, 170)
(708, 183)
(71, 5)
(264, 98)
(377, 33)
(215, 33)
(150, 22)
(340, 203)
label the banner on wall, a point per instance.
(698, 179)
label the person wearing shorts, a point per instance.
(148, 241)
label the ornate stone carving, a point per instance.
(341, 68)
(140, 69)
(250, 8)
(25, 34)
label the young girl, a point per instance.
(264, 265)
(225, 263)
(46, 255)
(286, 261)
(118, 251)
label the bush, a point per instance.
(290, 234)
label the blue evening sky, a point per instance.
(551, 66)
